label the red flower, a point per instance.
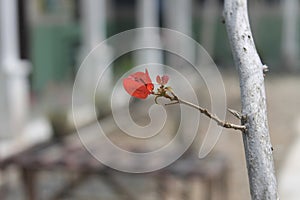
(138, 85)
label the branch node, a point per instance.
(265, 69)
(244, 119)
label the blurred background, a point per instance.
(42, 45)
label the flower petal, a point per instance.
(136, 89)
(158, 79)
(164, 79)
(138, 84)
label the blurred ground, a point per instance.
(283, 111)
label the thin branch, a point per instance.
(174, 100)
(213, 116)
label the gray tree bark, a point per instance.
(257, 145)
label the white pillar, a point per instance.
(148, 16)
(183, 16)
(209, 15)
(93, 22)
(15, 69)
(94, 32)
(290, 40)
(178, 16)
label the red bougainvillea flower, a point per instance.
(138, 85)
(162, 80)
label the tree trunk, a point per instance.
(257, 145)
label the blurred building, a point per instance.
(43, 43)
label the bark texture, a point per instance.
(258, 149)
